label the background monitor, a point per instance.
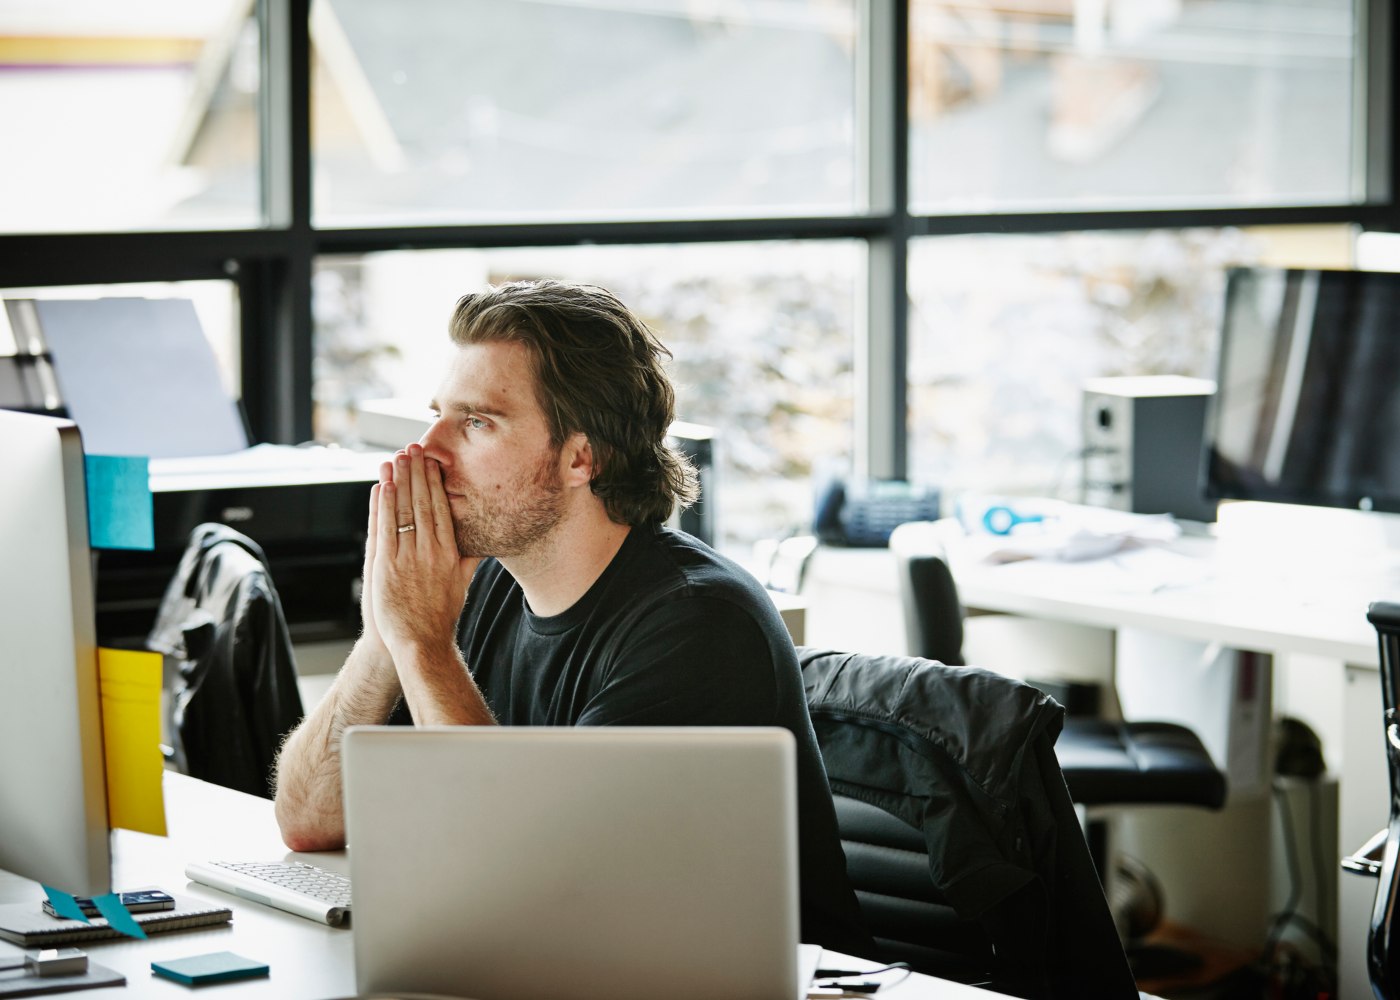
(697, 443)
(1307, 403)
(53, 788)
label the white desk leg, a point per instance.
(1224, 696)
(1364, 810)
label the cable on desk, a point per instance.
(846, 973)
(829, 979)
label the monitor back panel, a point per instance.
(53, 801)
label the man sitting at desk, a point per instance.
(537, 497)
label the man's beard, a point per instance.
(515, 519)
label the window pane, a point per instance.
(1148, 103)
(762, 336)
(463, 110)
(1004, 331)
(128, 117)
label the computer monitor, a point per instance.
(53, 788)
(1306, 408)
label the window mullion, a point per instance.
(882, 340)
(277, 326)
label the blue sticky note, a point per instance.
(65, 905)
(118, 916)
(217, 967)
(120, 510)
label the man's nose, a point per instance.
(432, 443)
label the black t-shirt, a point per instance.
(671, 633)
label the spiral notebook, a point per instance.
(27, 925)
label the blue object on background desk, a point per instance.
(1000, 519)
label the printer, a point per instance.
(305, 506)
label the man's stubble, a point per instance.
(514, 519)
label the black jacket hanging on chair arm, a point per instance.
(967, 758)
(235, 695)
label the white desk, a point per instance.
(1308, 612)
(307, 960)
(1232, 604)
(209, 822)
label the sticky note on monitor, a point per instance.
(130, 684)
(120, 509)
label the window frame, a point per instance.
(272, 265)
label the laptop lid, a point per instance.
(582, 863)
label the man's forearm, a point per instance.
(309, 803)
(439, 688)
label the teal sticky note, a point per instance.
(65, 905)
(216, 967)
(118, 916)
(120, 510)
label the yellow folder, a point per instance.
(130, 683)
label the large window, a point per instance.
(1005, 330)
(128, 116)
(880, 237)
(448, 110)
(1057, 104)
(762, 337)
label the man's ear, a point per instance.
(576, 458)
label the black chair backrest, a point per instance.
(933, 614)
(961, 841)
(1383, 944)
(910, 919)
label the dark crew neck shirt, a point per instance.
(671, 634)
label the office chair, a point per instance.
(961, 840)
(1105, 762)
(235, 696)
(1378, 856)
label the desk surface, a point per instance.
(1187, 589)
(307, 960)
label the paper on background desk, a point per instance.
(267, 465)
(130, 684)
(1134, 570)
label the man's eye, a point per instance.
(476, 423)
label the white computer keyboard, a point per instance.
(298, 888)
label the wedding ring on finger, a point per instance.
(407, 527)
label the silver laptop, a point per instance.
(574, 863)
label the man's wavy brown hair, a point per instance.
(598, 370)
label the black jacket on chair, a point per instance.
(236, 694)
(966, 757)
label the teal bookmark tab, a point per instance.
(65, 905)
(120, 510)
(119, 918)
